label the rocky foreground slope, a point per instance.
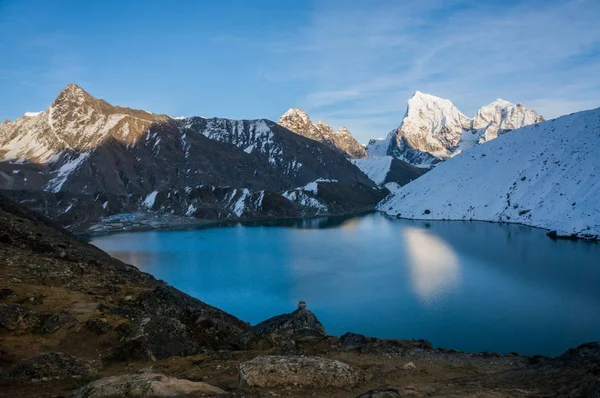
(433, 129)
(545, 175)
(76, 322)
(115, 159)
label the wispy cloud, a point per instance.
(366, 58)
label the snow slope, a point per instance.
(374, 167)
(545, 175)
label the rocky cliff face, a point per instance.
(85, 146)
(433, 129)
(342, 140)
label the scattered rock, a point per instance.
(282, 329)
(54, 365)
(147, 369)
(387, 393)
(15, 317)
(272, 371)
(143, 385)
(98, 325)
(52, 323)
(409, 366)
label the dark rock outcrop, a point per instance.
(53, 365)
(282, 330)
(52, 323)
(15, 317)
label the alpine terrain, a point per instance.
(544, 175)
(83, 159)
(342, 140)
(433, 129)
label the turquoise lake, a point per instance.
(470, 286)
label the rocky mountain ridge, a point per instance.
(342, 140)
(86, 146)
(433, 129)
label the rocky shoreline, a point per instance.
(77, 322)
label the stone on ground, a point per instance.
(315, 372)
(143, 385)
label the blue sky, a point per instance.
(352, 63)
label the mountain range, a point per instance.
(93, 166)
(544, 175)
(116, 159)
(433, 129)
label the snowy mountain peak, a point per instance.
(541, 175)
(297, 115)
(499, 117)
(72, 93)
(433, 129)
(75, 121)
(299, 122)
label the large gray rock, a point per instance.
(143, 385)
(273, 371)
(282, 329)
(54, 365)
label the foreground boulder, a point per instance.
(54, 365)
(282, 329)
(143, 385)
(314, 372)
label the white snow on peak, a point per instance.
(544, 175)
(297, 113)
(433, 129)
(31, 114)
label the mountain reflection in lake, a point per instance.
(471, 286)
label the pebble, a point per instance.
(409, 366)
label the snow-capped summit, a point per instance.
(502, 116)
(543, 175)
(433, 129)
(342, 140)
(75, 121)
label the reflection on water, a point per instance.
(464, 285)
(433, 264)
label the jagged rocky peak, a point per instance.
(433, 129)
(299, 122)
(296, 118)
(74, 121)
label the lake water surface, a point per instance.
(470, 286)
